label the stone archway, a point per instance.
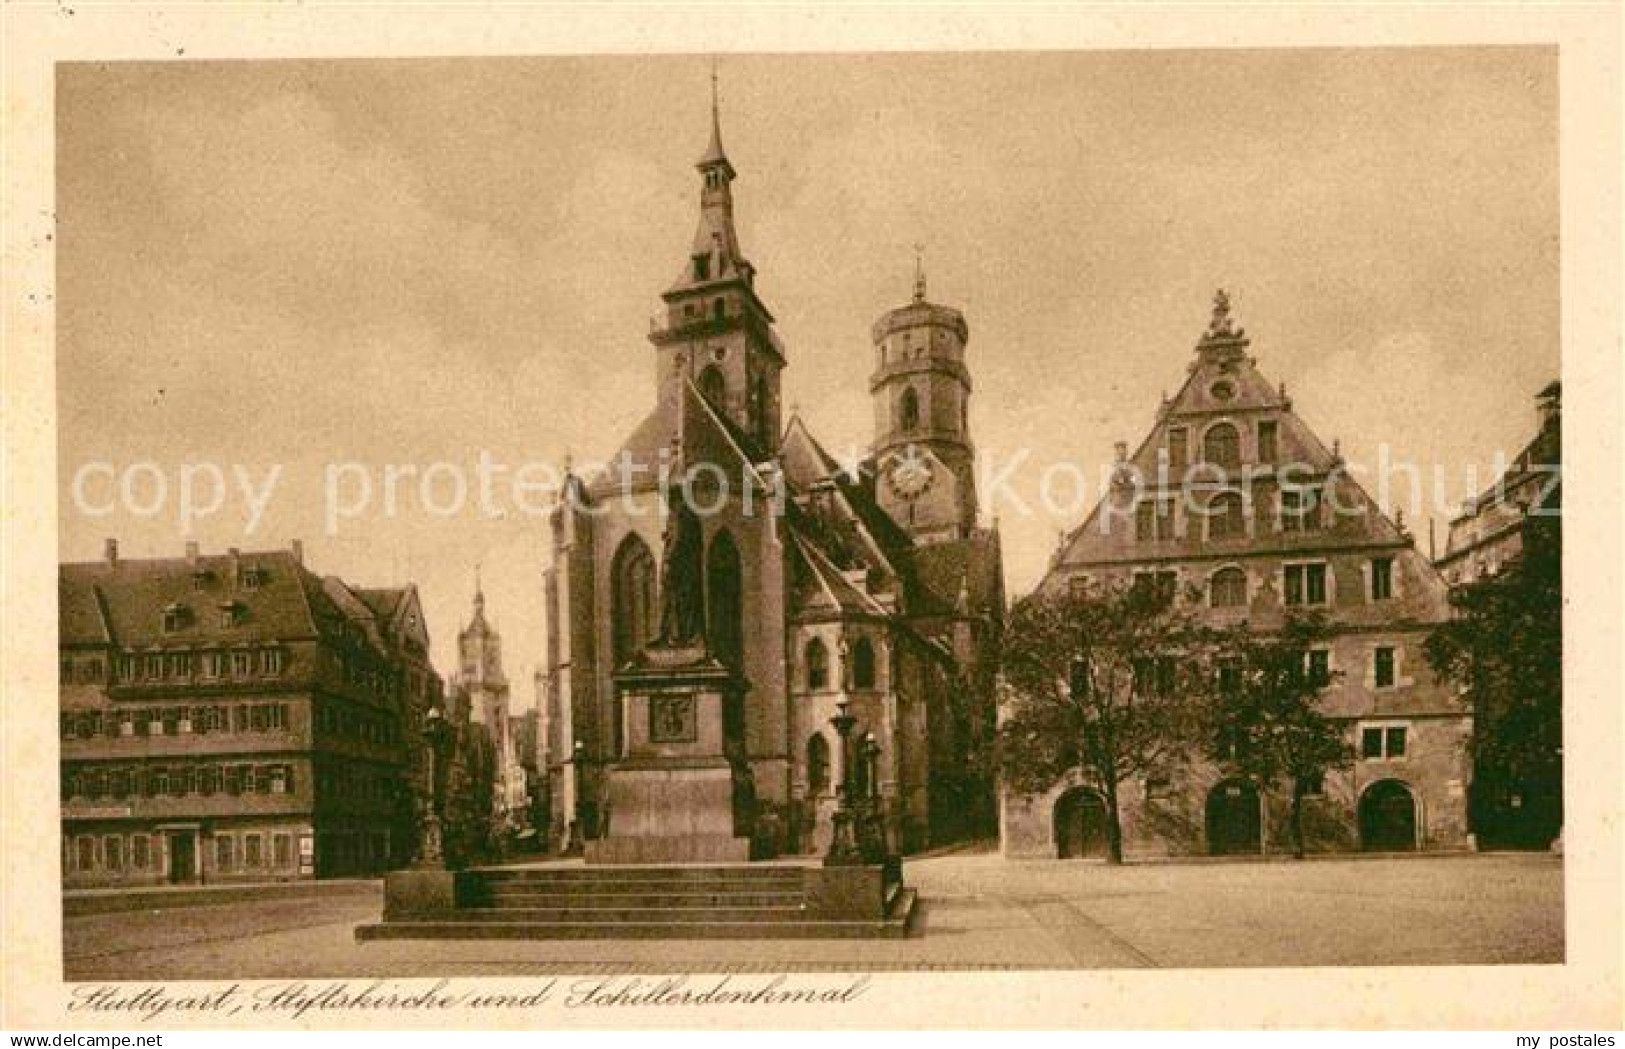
(1235, 823)
(1080, 825)
(1388, 817)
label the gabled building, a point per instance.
(1234, 505)
(235, 717)
(872, 585)
(1488, 532)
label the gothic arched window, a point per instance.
(863, 664)
(817, 765)
(817, 666)
(713, 386)
(1228, 588)
(1225, 519)
(1222, 445)
(632, 595)
(908, 410)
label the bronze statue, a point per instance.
(682, 574)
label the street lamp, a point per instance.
(872, 834)
(578, 756)
(843, 846)
(431, 851)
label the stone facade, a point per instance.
(872, 585)
(236, 718)
(1234, 501)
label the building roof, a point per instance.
(272, 595)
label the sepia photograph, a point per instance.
(721, 526)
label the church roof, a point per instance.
(961, 575)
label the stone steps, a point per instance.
(691, 902)
(762, 925)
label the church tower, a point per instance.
(479, 670)
(717, 333)
(924, 459)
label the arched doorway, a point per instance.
(1234, 820)
(1080, 825)
(1388, 817)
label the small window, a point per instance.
(272, 659)
(863, 664)
(908, 410)
(1267, 441)
(1161, 583)
(208, 780)
(719, 309)
(1382, 667)
(175, 617)
(152, 667)
(1178, 447)
(282, 850)
(1382, 578)
(702, 266)
(1300, 509)
(252, 578)
(87, 853)
(1228, 588)
(1318, 666)
(817, 765)
(1221, 446)
(817, 666)
(1383, 742)
(140, 852)
(252, 855)
(1305, 584)
(224, 855)
(242, 664)
(113, 852)
(1225, 518)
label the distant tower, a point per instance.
(921, 390)
(479, 670)
(717, 332)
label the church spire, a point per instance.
(715, 157)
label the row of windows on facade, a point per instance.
(1221, 444)
(1377, 743)
(349, 723)
(237, 663)
(817, 663)
(138, 853)
(175, 721)
(178, 617)
(178, 781)
(353, 784)
(1298, 509)
(1302, 584)
(1157, 675)
(907, 350)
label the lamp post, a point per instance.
(843, 846)
(578, 755)
(872, 833)
(431, 845)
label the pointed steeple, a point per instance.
(478, 623)
(715, 157)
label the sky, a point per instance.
(350, 265)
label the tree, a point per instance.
(1268, 718)
(1505, 648)
(1103, 683)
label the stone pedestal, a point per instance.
(671, 794)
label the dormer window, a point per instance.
(176, 617)
(251, 578)
(702, 266)
(200, 579)
(719, 309)
(231, 614)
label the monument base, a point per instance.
(670, 810)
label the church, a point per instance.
(724, 538)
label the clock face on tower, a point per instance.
(909, 473)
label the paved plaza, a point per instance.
(978, 911)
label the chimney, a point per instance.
(298, 551)
(191, 552)
(110, 553)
